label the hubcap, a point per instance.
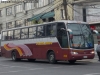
(13, 56)
(51, 57)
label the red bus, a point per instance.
(56, 41)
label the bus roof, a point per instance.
(65, 21)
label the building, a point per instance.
(2, 14)
(25, 13)
(60, 10)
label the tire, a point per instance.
(71, 61)
(31, 60)
(51, 58)
(14, 57)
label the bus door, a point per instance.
(62, 35)
(62, 38)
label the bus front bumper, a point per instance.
(82, 56)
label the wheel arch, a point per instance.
(50, 50)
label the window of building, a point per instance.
(18, 8)
(17, 34)
(10, 25)
(51, 1)
(9, 11)
(24, 33)
(19, 23)
(32, 32)
(40, 31)
(62, 14)
(0, 28)
(29, 6)
(0, 13)
(41, 3)
(27, 22)
(10, 35)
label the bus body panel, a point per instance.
(40, 52)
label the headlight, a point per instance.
(74, 53)
(92, 52)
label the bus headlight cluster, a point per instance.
(92, 52)
(74, 53)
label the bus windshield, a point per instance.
(82, 36)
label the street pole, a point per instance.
(65, 8)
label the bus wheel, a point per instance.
(51, 58)
(14, 58)
(71, 61)
(31, 60)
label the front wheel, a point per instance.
(14, 57)
(51, 58)
(71, 61)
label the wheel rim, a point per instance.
(51, 58)
(13, 56)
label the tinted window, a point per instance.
(17, 34)
(32, 32)
(41, 31)
(10, 35)
(4, 36)
(24, 33)
(51, 30)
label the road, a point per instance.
(86, 67)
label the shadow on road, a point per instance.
(46, 62)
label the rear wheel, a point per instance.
(51, 58)
(71, 61)
(14, 57)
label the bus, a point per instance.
(0, 44)
(63, 40)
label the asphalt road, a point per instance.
(86, 67)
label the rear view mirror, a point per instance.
(97, 33)
(70, 33)
(62, 29)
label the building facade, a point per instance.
(60, 11)
(22, 14)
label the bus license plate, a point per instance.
(85, 57)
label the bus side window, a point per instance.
(51, 30)
(24, 33)
(32, 32)
(17, 34)
(48, 30)
(41, 31)
(4, 37)
(10, 35)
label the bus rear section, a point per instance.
(56, 41)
